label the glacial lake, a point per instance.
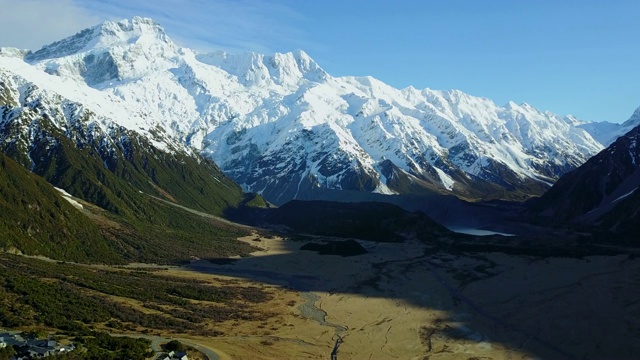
(477, 232)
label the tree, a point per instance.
(174, 345)
(7, 352)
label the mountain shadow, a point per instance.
(537, 297)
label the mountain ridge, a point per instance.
(281, 126)
(601, 194)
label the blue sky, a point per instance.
(567, 56)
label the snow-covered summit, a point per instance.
(281, 125)
(105, 35)
(110, 52)
(634, 120)
(606, 133)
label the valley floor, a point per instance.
(397, 302)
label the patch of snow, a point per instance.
(447, 181)
(625, 195)
(68, 197)
(478, 232)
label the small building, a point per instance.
(65, 348)
(33, 348)
(13, 340)
(181, 356)
(40, 352)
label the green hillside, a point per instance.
(113, 176)
(120, 174)
(37, 220)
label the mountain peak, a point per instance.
(258, 69)
(634, 120)
(305, 62)
(130, 30)
(512, 105)
(105, 35)
(109, 53)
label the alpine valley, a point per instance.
(254, 206)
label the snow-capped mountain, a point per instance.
(633, 121)
(70, 137)
(282, 126)
(606, 133)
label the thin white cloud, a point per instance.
(30, 24)
(234, 25)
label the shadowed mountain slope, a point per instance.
(602, 193)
